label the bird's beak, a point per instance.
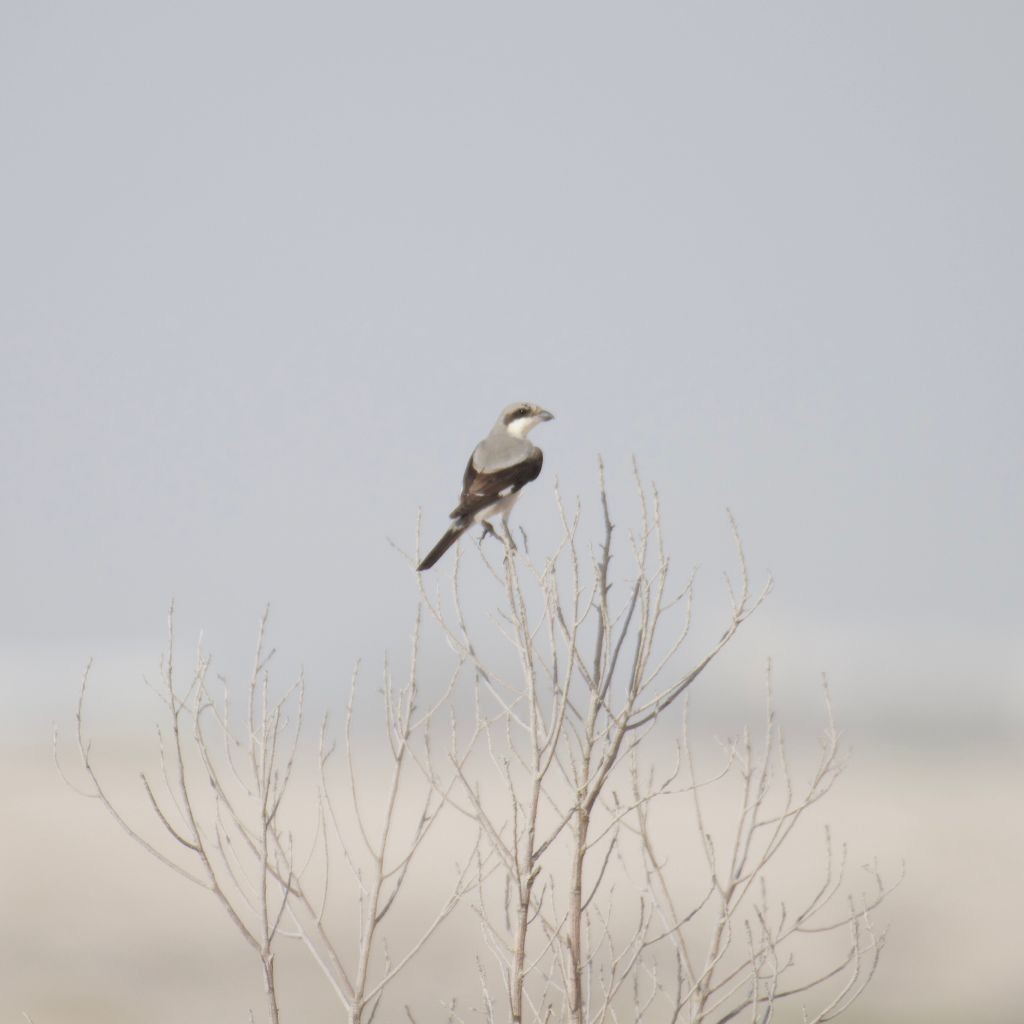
(544, 415)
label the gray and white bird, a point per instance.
(501, 465)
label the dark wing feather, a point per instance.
(482, 489)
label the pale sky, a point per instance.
(270, 271)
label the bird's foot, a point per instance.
(489, 531)
(510, 540)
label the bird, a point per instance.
(501, 465)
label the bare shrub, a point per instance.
(612, 876)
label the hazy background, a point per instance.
(269, 272)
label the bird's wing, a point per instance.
(482, 489)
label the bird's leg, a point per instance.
(488, 530)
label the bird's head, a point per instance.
(521, 417)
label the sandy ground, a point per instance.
(93, 931)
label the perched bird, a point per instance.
(501, 465)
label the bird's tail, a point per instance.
(453, 533)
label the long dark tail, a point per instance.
(455, 531)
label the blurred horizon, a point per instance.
(78, 949)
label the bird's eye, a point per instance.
(523, 411)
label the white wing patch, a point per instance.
(500, 507)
